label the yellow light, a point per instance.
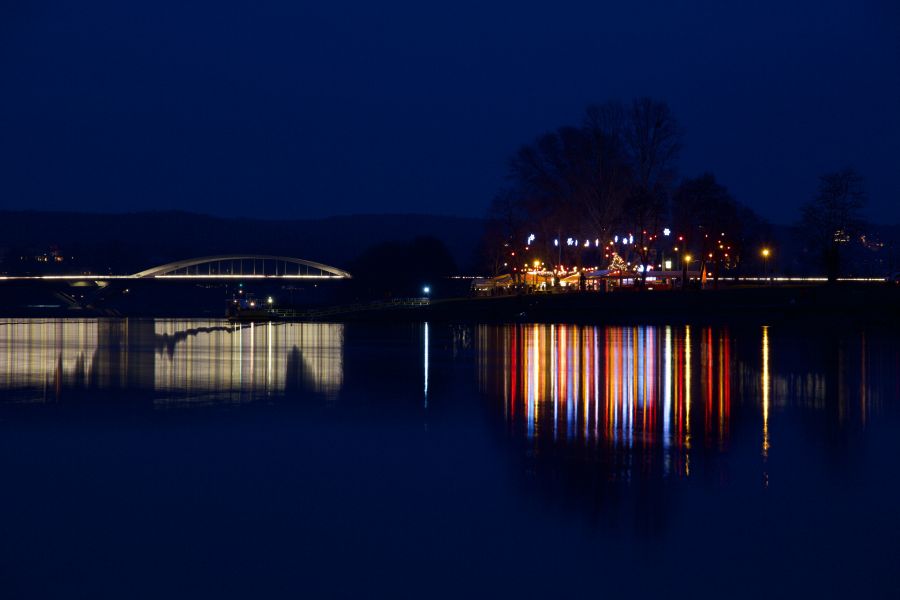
(765, 252)
(537, 263)
(687, 258)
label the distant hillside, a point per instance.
(124, 243)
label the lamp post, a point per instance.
(765, 255)
(684, 270)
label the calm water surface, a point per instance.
(200, 459)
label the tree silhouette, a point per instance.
(833, 217)
(713, 224)
(614, 172)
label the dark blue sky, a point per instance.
(281, 108)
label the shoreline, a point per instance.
(831, 304)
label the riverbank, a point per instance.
(851, 302)
(813, 303)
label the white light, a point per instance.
(426, 290)
(668, 264)
(630, 239)
(570, 241)
(587, 243)
(667, 231)
(556, 242)
(616, 239)
(597, 242)
(269, 300)
(530, 239)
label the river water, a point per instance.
(144, 458)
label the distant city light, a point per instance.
(426, 290)
(270, 300)
(530, 239)
(668, 264)
(667, 231)
(556, 242)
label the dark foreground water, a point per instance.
(197, 459)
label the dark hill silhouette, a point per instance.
(125, 243)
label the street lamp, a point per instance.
(765, 254)
(684, 270)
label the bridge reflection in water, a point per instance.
(659, 395)
(177, 360)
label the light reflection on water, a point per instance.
(667, 390)
(621, 447)
(45, 359)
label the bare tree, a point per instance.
(574, 182)
(713, 224)
(613, 171)
(652, 140)
(833, 217)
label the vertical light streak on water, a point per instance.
(687, 400)
(240, 361)
(554, 378)
(612, 349)
(640, 357)
(633, 380)
(252, 356)
(577, 346)
(533, 375)
(721, 371)
(425, 363)
(667, 389)
(570, 384)
(596, 383)
(268, 357)
(628, 404)
(765, 389)
(585, 381)
(650, 360)
(619, 387)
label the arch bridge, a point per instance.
(239, 266)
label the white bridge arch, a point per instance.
(241, 266)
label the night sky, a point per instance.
(283, 108)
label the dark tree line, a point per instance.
(579, 188)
